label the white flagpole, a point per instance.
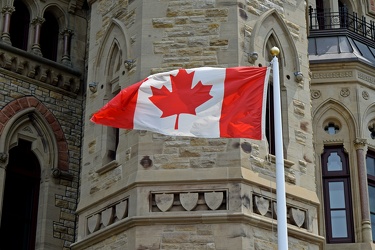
(282, 234)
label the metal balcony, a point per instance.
(324, 21)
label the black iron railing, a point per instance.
(326, 20)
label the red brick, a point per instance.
(15, 106)
(49, 117)
(63, 146)
(8, 111)
(63, 165)
(55, 126)
(42, 109)
(63, 156)
(59, 136)
(33, 102)
(23, 102)
(3, 118)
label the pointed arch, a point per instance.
(261, 34)
(270, 30)
(368, 124)
(28, 118)
(332, 111)
(322, 112)
(115, 34)
(50, 42)
(57, 12)
(112, 52)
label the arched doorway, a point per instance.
(21, 194)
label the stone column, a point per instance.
(37, 22)
(7, 12)
(361, 149)
(67, 34)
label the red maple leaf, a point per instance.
(183, 99)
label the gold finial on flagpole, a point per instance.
(275, 51)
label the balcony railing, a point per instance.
(321, 20)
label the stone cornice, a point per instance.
(36, 68)
(206, 218)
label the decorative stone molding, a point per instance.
(266, 207)
(47, 72)
(315, 94)
(107, 167)
(252, 57)
(329, 75)
(60, 174)
(129, 64)
(107, 216)
(3, 157)
(360, 144)
(345, 92)
(366, 77)
(365, 95)
(189, 201)
(298, 78)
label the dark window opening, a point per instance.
(49, 37)
(19, 26)
(270, 121)
(21, 194)
(337, 195)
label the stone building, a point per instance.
(96, 187)
(42, 68)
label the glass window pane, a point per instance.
(364, 51)
(370, 164)
(339, 225)
(334, 162)
(373, 225)
(327, 45)
(336, 194)
(371, 194)
(344, 45)
(312, 48)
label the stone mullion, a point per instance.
(37, 22)
(67, 34)
(7, 12)
(361, 149)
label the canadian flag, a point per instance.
(201, 102)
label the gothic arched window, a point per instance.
(19, 26)
(49, 36)
(21, 195)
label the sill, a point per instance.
(107, 167)
(287, 163)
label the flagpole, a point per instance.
(282, 234)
